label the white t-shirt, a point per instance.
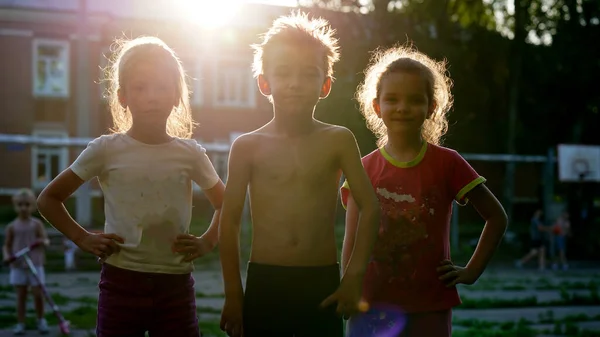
(147, 196)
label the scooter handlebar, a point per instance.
(23, 252)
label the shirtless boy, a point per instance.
(292, 167)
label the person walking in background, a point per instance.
(560, 230)
(539, 241)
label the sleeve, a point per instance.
(90, 161)
(344, 193)
(463, 178)
(204, 172)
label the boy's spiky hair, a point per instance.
(298, 29)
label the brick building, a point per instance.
(39, 82)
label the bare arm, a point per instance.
(51, 204)
(8, 242)
(496, 223)
(350, 233)
(239, 171)
(366, 202)
(215, 196)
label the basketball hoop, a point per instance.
(581, 167)
(579, 163)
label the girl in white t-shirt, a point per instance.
(146, 169)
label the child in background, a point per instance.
(69, 249)
(405, 98)
(146, 169)
(24, 231)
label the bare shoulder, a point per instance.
(337, 134)
(38, 222)
(9, 227)
(246, 141)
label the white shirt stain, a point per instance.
(395, 196)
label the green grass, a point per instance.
(200, 294)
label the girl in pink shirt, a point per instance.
(21, 233)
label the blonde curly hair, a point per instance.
(406, 59)
(129, 52)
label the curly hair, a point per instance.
(298, 29)
(129, 52)
(406, 59)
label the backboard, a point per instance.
(578, 163)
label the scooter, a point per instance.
(63, 324)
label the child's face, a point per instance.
(23, 206)
(150, 93)
(295, 78)
(403, 104)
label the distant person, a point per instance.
(404, 98)
(146, 168)
(560, 230)
(22, 232)
(70, 248)
(539, 236)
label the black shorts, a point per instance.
(282, 301)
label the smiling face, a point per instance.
(403, 104)
(295, 78)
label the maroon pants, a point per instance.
(429, 324)
(131, 303)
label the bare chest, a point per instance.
(295, 162)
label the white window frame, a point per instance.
(64, 82)
(234, 68)
(61, 152)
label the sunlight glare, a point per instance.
(209, 13)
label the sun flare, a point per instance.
(210, 13)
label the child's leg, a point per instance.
(124, 303)
(36, 290)
(542, 258)
(38, 301)
(437, 323)
(174, 309)
(21, 303)
(18, 278)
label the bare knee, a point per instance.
(36, 291)
(21, 291)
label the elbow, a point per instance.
(42, 202)
(500, 221)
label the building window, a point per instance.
(48, 161)
(50, 68)
(234, 85)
